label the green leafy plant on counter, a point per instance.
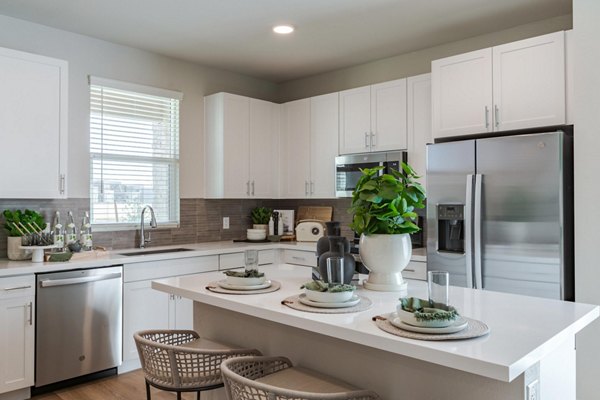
(320, 286)
(385, 204)
(13, 218)
(261, 215)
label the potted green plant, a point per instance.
(260, 218)
(384, 215)
(12, 223)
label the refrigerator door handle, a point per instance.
(468, 233)
(477, 232)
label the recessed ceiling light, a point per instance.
(283, 29)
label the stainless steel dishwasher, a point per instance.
(78, 323)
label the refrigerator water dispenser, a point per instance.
(451, 219)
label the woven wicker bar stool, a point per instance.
(180, 361)
(275, 378)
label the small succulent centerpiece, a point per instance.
(384, 215)
(17, 223)
(260, 218)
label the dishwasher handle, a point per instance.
(74, 281)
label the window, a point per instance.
(134, 153)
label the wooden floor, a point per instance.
(129, 386)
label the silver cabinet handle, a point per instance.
(74, 281)
(306, 188)
(367, 140)
(17, 288)
(497, 115)
(487, 117)
(252, 188)
(30, 305)
(247, 188)
(62, 184)
(373, 142)
(468, 233)
(312, 187)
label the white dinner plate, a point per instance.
(457, 326)
(307, 302)
(229, 286)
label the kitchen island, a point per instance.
(531, 342)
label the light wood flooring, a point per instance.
(128, 386)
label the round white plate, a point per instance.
(328, 297)
(238, 281)
(226, 285)
(350, 303)
(457, 326)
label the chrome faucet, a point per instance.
(143, 239)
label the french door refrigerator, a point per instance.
(500, 213)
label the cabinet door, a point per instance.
(323, 144)
(184, 313)
(295, 155)
(388, 116)
(236, 181)
(262, 148)
(419, 122)
(462, 94)
(16, 343)
(33, 125)
(355, 120)
(529, 82)
(143, 308)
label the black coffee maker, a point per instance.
(451, 232)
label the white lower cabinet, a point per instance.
(146, 308)
(17, 301)
(300, 257)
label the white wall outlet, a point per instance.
(225, 222)
(533, 390)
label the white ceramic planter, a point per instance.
(385, 256)
(263, 227)
(14, 250)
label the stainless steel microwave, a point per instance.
(347, 168)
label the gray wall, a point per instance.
(88, 56)
(586, 61)
(415, 63)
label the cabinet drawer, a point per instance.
(415, 270)
(266, 257)
(17, 286)
(168, 268)
(308, 258)
(231, 260)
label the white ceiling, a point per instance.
(236, 34)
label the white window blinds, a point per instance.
(134, 152)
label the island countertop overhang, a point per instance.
(524, 329)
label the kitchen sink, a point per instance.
(149, 252)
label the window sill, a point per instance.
(131, 227)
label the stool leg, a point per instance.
(148, 397)
(178, 395)
(198, 395)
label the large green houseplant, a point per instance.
(384, 215)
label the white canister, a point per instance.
(14, 250)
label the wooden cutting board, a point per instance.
(320, 213)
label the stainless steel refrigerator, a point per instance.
(500, 212)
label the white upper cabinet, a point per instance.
(240, 139)
(419, 122)
(513, 86)
(33, 125)
(323, 144)
(373, 118)
(462, 94)
(388, 116)
(295, 150)
(309, 144)
(529, 82)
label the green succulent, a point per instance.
(261, 215)
(385, 204)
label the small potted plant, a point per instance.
(12, 224)
(260, 218)
(384, 214)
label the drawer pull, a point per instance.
(298, 258)
(409, 270)
(17, 288)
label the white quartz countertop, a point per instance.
(116, 257)
(524, 330)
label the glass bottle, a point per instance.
(58, 235)
(71, 230)
(85, 233)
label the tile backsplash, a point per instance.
(201, 219)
